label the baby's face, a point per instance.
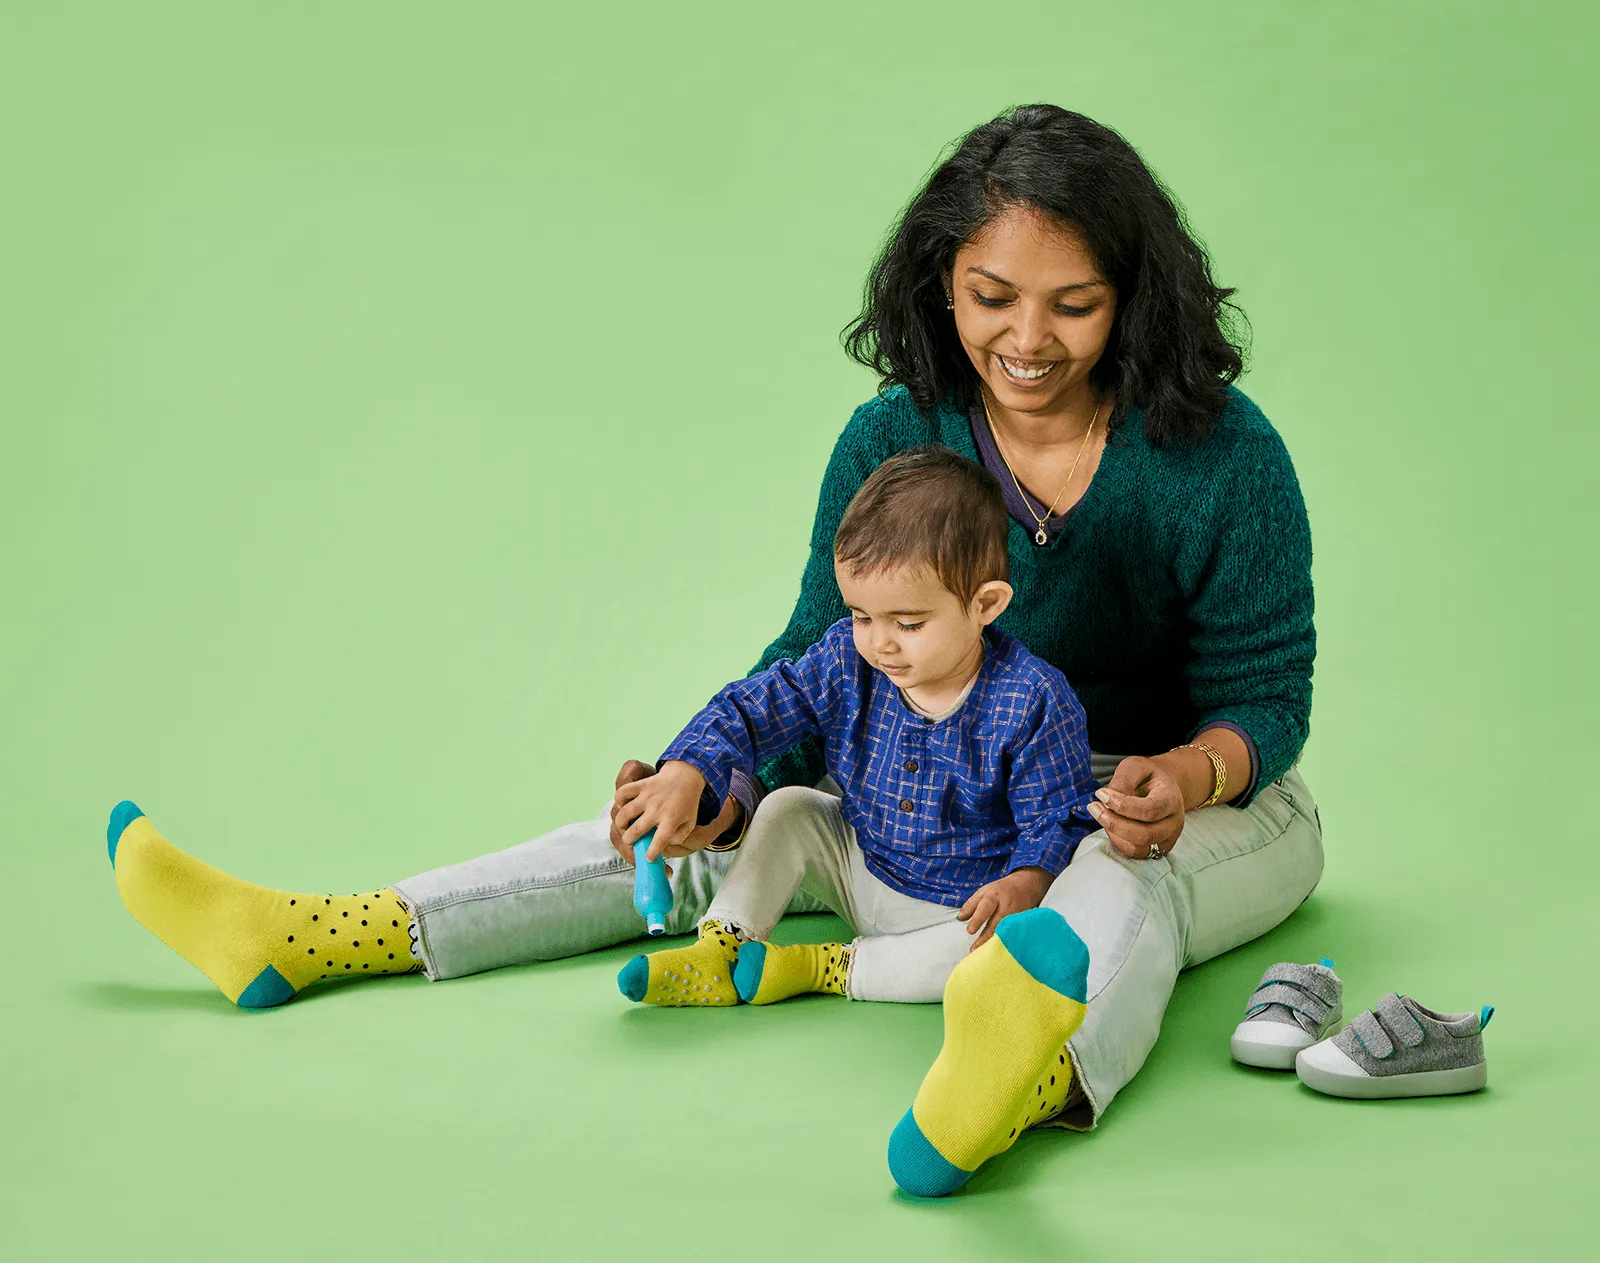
(911, 627)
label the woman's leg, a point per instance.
(558, 895)
(1234, 874)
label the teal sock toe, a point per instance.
(748, 969)
(917, 1166)
(267, 990)
(122, 815)
(1041, 941)
(634, 978)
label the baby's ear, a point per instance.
(991, 600)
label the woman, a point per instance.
(1041, 309)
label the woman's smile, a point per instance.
(1024, 373)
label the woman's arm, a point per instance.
(1246, 563)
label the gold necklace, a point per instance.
(1041, 536)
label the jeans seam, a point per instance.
(521, 887)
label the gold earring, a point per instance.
(949, 302)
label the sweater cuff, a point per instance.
(1254, 783)
(748, 790)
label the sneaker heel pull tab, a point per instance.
(1326, 963)
(1485, 1015)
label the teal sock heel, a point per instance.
(748, 969)
(267, 990)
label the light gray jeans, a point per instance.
(1233, 875)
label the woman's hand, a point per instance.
(1141, 807)
(1017, 891)
(634, 772)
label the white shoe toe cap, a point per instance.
(1330, 1059)
(1272, 1034)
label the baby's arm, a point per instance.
(748, 721)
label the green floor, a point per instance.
(409, 412)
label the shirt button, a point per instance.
(907, 805)
(911, 765)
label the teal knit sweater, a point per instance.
(1177, 595)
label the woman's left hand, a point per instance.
(1141, 807)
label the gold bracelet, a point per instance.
(720, 845)
(1219, 771)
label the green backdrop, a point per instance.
(410, 411)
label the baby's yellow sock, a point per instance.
(702, 974)
(1009, 1008)
(767, 973)
(258, 945)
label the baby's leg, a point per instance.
(798, 839)
(906, 950)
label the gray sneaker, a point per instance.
(1294, 1007)
(1400, 1048)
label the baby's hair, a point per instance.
(928, 504)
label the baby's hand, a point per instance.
(668, 802)
(1017, 891)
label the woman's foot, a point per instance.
(1009, 1008)
(258, 945)
(702, 974)
(767, 973)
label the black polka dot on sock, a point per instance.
(330, 964)
(1013, 1130)
(344, 914)
(333, 931)
(291, 938)
(364, 908)
(394, 923)
(1039, 1090)
(363, 966)
(347, 964)
(380, 942)
(327, 901)
(391, 955)
(291, 903)
(313, 916)
(363, 923)
(311, 951)
(355, 942)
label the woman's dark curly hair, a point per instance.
(1173, 348)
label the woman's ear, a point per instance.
(991, 600)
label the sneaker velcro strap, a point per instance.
(1373, 1037)
(1291, 996)
(1312, 981)
(1400, 1020)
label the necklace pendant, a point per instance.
(1040, 538)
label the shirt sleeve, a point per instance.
(1050, 786)
(1252, 639)
(761, 716)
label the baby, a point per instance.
(962, 762)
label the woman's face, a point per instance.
(1031, 309)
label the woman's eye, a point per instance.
(1073, 311)
(983, 300)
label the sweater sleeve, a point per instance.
(1252, 640)
(819, 605)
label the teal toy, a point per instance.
(652, 895)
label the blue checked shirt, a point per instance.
(939, 807)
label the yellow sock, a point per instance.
(258, 945)
(702, 974)
(1050, 1094)
(767, 973)
(1009, 1008)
